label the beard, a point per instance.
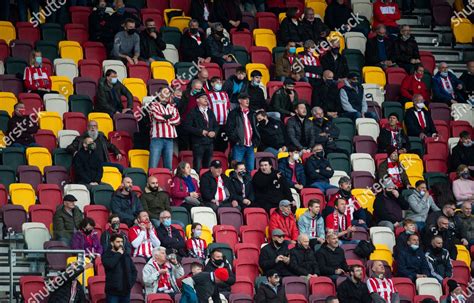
(93, 134)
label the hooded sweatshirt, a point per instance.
(311, 226)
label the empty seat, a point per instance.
(139, 158)
(264, 37)
(375, 75)
(62, 85)
(66, 67)
(95, 51)
(112, 176)
(140, 70)
(35, 234)
(22, 194)
(75, 122)
(355, 40)
(368, 127)
(429, 286)
(365, 197)
(225, 234)
(46, 138)
(204, 215)
(14, 157)
(321, 287)
(117, 66)
(126, 123)
(136, 86)
(42, 214)
(56, 103)
(90, 68)
(30, 175)
(8, 102)
(252, 235)
(163, 70)
(7, 31)
(382, 235)
(77, 32)
(50, 195)
(39, 156)
(102, 194)
(26, 31)
(66, 137)
(30, 286)
(71, 50)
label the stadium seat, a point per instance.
(138, 176)
(7, 31)
(65, 137)
(171, 35)
(117, 66)
(264, 37)
(26, 31)
(412, 164)
(180, 22)
(321, 287)
(267, 20)
(256, 217)
(122, 140)
(295, 285)
(459, 126)
(61, 158)
(362, 179)
(99, 213)
(80, 192)
(429, 286)
(242, 38)
(365, 197)
(405, 288)
(339, 161)
(159, 298)
(84, 86)
(33, 102)
(52, 32)
(30, 286)
(152, 13)
(247, 251)
(365, 144)
(3, 197)
(42, 214)
(246, 268)
(71, 50)
(30, 175)
(14, 156)
(308, 194)
(80, 15)
(382, 235)
(48, 49)
(355, 40)
(463, 254)
(364, 9)
(338, 174)
(367, 127)
(39, 156)
(50, 195)
(355, 60)
(102, 194)
(112, 176)
(75, 120)
(56, 103)
(243, 285)
(13, 217)
(252, 235)
(95, 51)
(164, 177)
(88, 272)
(463, 112)
(163, 70)
(213, 69)
(304, 91)
(374, 75)
(77, 32)
(440, 111)
(8, 102)
(21, 49)
(35, 234)
(435, 163)
(180, 214)
(105, 123)
(139, 158)
(204, 215)
(346, 127)
(96, 287)
(230, 216)
(206, 233)
(136, 86)
(62, 85)
(4, 51)
(363, 162)
(56, 261)
(462, 30)
(90, 68)
(382, 253)
(22, 194)
(225, 234)
(140, 70)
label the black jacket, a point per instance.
(385, 139)
(401, 244)
(338, 66)
(329, 260)
(285, 169)
(208, 186)
(120, 273)
(372, 56)
(205, 287)
(468, 81)
(257, 98)
(389, 208)
(312, 164)
(449, 239)
(265, 294)
(223, 15)
(337, 15)
(147, 49)
(404, 51)
(100, 28)
(239, 187)
(217, 47)
(439, 263)
(126, 207)
(116, 21)
(412, 262)
(105, 241)
(197, 11)
(462, 155)
(350, 292)
(195, 124)
(102, 148)
(63, 292)
(312, 30)
(272, 134)
(228, 87)
(267, 257)
(325, 126)
(87, 167)
(235, 127)
(21, 130)
(290, 31)
(106, 103)
(413, 127)
(190, 50)
(303, 261)
(175, 243)
(210, 267)
(270, 190)
(300, 133)
(327, 97)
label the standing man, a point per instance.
(155, 200)
(300, 129)
(219, 103)
(216, 188)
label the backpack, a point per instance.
(364, 249)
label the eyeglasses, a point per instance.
(280, 236)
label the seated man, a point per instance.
(143, 236)
(300, 129)
(289, 66)
(335, 62)
(409, 228)
(339, 222)
(438, 260)
(87, 165)
(353, 289)
(331, 258)
(284, 100)
(127, 44)
(217, 261)
(216, 188)
(303, 259)
(388, 206)
(353, 101)
(125, 202)
(272, 132)
(151, 43)
(219, 46)
(169, 236)
(109, 93)
(193, 44)
(20, 132)
(292, 169)
(312, 224)
(160, 273)
(114, 229)
(467, 220)
(271, 290)
(379, 49)
(155, 200)
(284, 220)
(393, 169)
(406, 49)
(413, 84)
(463, 152)
(467, 79)
(324, 130)
(276, 255)
(381, 289)
(386, 12)
(66, 219)
(418, 120)
(328, 95)
(447, 88)
(241, 182)
(445, 231)
(421, 203)
(318, 169)
(257, 92)
(448, 210)
(358, 215)
(411, 263)
(392, 134)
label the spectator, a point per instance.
(270, 186)
(358, 215)
(328, 95)
(195, 245)
(456, 293)
(442, 193)
(331, 258)
(300, 129)
(276, 255)
(353, 289)
(418, 120)
(100, 29)
(445, 231)
(288, 66)
(218, 261)
(291, 29)
(284, 220)
(151, 43)
(406, 52)
(194, 43)
(292, 169)
(339, 222)
(119, 18)
(438, 260)
(113, 228)
(120, 272)
(448, 210)
(160, 273)
(334, 61)
(319, 170)
(125, 202)
(109, 95)
(87, 165)
(219, 103)
(467, 221)
(463, 152)
(381, 289)
(331, 299)
(271, 290)
(303, 259)
(388, 206)
(169, 236)
(36, 77)
(241, 183)
(241, 128)
(312, 25)
(272, 134)
(447, 88)
(337, 14)
(413, 84)
(411, 263)
(20, 131)
(421, 203)
(257, 92)
(185, 189)
(205, 284)
(312, 224)
(66, 219)
(229, 14)
(392, 135)
(216, 188)
(392, 169)
(252, 5)
(127, 44)
(187, 103)
(353, 100)
(463, 187)
(284, 99)
(86, 238)
(143, 236)
(387, 13)
(467, 78)
(66, 286)
(155, 200)
(409, 228)
(164, 118)
(379, 49)
(202, 126)
(236, 84)
(201, 11)
(324, 130)
(219, 46)
(203, 76)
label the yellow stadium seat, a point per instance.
(167, 11)
(71, 50)
(163, 70)
(136, 86)
(409, 105)
(309, 1)
(458, 5)
(365, 197)
(63, 85)
(2, 140)
(206, 233)
(88, 272)
(139, 158)
(112, 176)
(299, 212)
(22, 194)
(412, 164)
(283, 155)
(463, 254)
(8, 102)
(337, 36)
(7, 31)
(299, 50)
(180, 22)
(260, 67)
(104, 122)
(228, 171)
(382, 253)
(318, 7)
(414, 178)
(281, 17)
(462, 30)
(265, 37)
(374, 75)
(51, 121)
(39, 156)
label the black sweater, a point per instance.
(87, 167)
(329, 260)
(270, 190)
(120, 273)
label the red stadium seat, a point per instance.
(184, 5)
(247, 251)
(4, 50)
(428, 61)
(95, 50)
(186, 156)
(99, 213)
(213, 69)
(85, 86)
(320, 288)
(296, 285)
(96, 286)
(461, 271)
(122, 140)
(229, 69)
(220, 156)
(461, 283)
(296, 298)
(304, 91)
(49, 194)
(154, 86)
(273, 86)
(90, 68)
(440, 111)
(442, 128)
(267, 20)
(26, 31)
(312, 193)
(420, 298)
(164, 177)
(152, 13)
(30, 286)
(360, 233)
(226, 234)
(46, 138)
(77, 32)
(75, 121)
(252, 235)
(256, 217)
(3, 196)
(405, 287)
(126, 122)
(140, 70)
(42, 214)
(247, 269)
(33, 102)
(230, 216)
(243, 285)
(261, 54)
(180, 229)
(56, 261)
(379, 158)
(438, 147)
(459, 126)
(48, 65)
(135, 107)
(242, 38)
(80, 15)
(159, 298)
(395, 76)
(435, 163)
(159, 5)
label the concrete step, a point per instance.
(410, 20)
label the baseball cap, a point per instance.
(284, 203)
(216, 164)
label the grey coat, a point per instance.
(420, 207)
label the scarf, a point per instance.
(447, 86)
(341, 221)
(394, 173)
(164, 280)
(189, 183)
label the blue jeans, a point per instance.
(160, 146)
(271, 150)
(118, 299)
(356, 115)
(323, 186)
(240, 152)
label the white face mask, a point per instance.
(296, 157)
(420, 105)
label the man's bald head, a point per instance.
(152, 183)
(328, 75)
(127, 184)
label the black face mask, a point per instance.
(320, 154)
(276, 243)
(288, 91)
(87, 231)
(437, 250)
(391, 195)
(131, 31)
(151, 29)
(242, 173)
(345, 193)
(218, 262)
(193, 31)
(115, 226)
(237, 80)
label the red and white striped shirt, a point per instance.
(248, 132)
(161, 127)
(36, 77)
(220, 192)
(309, 59)
(460, 299)
(220, 105)
(197, 247)
(146, 246)
(338, 222)
(383, 287)
(352, 204)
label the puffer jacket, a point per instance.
(406, 50)
(305, 223)
(286, 224)
(295, 128)
(154, 202)
(126, 207)
(64, 224)
(439, 264)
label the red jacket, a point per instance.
(286, 224)
(410, 86)
(179, 191)
(36, 77)
(386, 14)
(332, 222)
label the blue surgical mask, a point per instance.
(121, 10)
(167, 222)
(113, 80)
(197, 233)
(414, 246)
(467, 144)
(292, 50)
(39, 60)
(218, 87)
(444, 74)
(410, 232)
